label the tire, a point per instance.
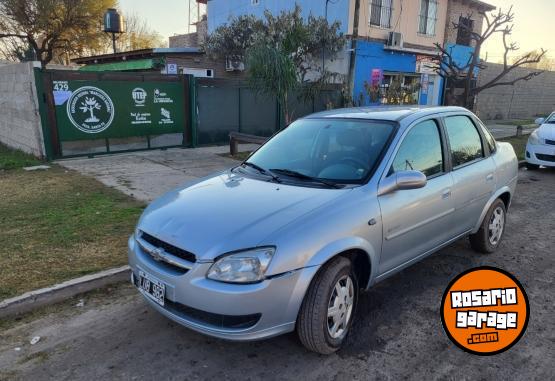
(313, 322)
(484, 241)
(532, 167)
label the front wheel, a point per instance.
(488, 237)
(328, 309)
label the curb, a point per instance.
(521, 163)
(60, 292)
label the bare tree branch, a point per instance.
(458, 71)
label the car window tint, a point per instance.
(466, 145)
(420, 150)
(489, 138)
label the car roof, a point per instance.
(390, 113)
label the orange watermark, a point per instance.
(485, 311)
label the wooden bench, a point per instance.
(237, 137)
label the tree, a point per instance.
(496, 23)
(282, 53)
(54, 29)
(546, 63)
(138, 35)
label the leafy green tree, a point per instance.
(54, 29)
(283, 53)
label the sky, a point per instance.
(532, 27)
(532, 30)
(167, 17)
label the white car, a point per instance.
(540, 149)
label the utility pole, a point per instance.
(353, 49)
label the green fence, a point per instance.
(95, 113)
(223, 106)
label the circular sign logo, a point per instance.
(90, 110)
(485, 311)
(139, 96)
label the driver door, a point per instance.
(416, 221)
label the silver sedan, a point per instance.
(333, 204)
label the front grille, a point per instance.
(170, 249)
(543, 157)
(551, 142)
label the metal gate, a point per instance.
(88, 114)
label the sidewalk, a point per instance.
(147, 175)
(506, 128)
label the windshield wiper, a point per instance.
(299, 175)
(261, 170)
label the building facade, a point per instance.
(396, 53)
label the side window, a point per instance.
(489, 139)
(420, 150)
(466, 145)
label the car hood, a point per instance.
(229, 212)
(547, 131)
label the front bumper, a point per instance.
(196, 302)
(540, 154)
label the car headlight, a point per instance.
(247, 266)
(534, 139)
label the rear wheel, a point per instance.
(488, 237)
(531, 166)
(328, 308)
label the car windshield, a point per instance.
(337, 150)
(550, 119)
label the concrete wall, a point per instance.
(524, 100)
(404, 19)
(190, 40)
(20, 125)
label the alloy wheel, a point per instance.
(340, 307)
(496, 225)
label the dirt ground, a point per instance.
(398, 333)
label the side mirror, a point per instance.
(404, 180)
(539, 121)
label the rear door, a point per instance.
(473, 170)
(416, 221)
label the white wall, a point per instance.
(20, 125)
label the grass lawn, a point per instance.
(57, 225)
(518, 122)
(519, 144)
(10, 159)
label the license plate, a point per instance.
(152, 287)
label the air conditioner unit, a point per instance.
(234, 63)
(395, 40)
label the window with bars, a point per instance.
(427, 17)
(380, 13)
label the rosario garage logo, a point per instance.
(485, 311)
(90, 110)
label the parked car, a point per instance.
(333, 204)
(540, 149)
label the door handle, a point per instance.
(489, 177)
(446, 194)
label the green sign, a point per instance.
(117, 109)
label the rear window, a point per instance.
(464, 139)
